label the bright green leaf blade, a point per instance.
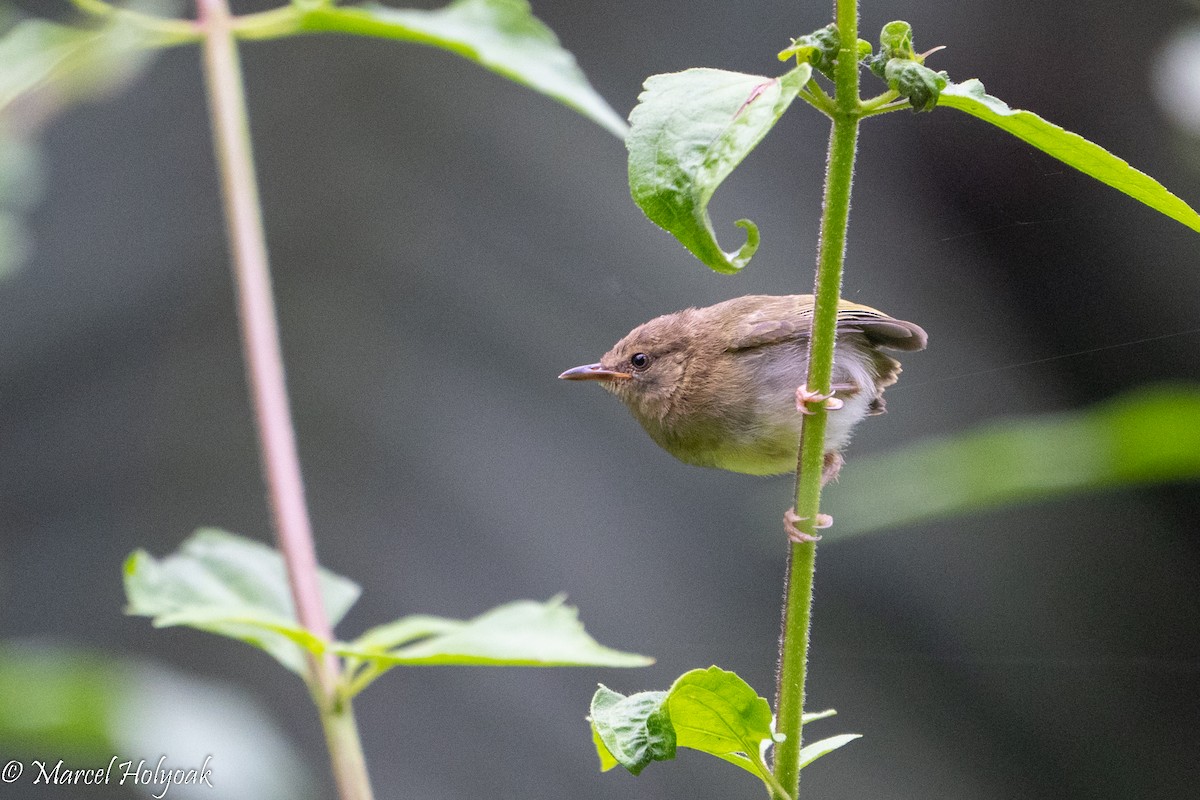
(631, 731)
(522, 633)
(810, 753)
(1146, 436)
(501, 35)
(232, 586)
(689, 131)
(1070, 148)
(715, 711)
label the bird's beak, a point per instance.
(593, 372)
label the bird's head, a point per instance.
(647, 368)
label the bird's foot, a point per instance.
(798, 536)
(808, 401)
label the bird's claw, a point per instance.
(794, 534)
(807, 401)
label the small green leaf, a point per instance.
(500, 35)
(903, 68)
(813, 716)
(896, 40)
(631, 731)
(1072, 149)
(918, 83)
(232, 586)
(521, 633)
(811, 752)
(689, 131)
(1143, 437)
(715, 711)
(710, 710)
(819, 48)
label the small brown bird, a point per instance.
(723, 386)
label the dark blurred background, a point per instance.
(445, 242)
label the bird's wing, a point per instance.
(753, 333)
(882, 330)
(783, 321)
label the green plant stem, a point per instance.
(265, 375)
(794, 642)
(345, 751)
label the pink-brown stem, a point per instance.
(265, 374)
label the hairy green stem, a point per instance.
(265, 375)
(793, 656)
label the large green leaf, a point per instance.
(501, 35)
(521, 633)
(232, 586)
(1070, 148)
(1147, 436)
(688, 132)
(224, 584)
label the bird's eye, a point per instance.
(639, 361)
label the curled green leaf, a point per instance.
(915, 81)
(631, 731)
(819, 48)
(689, 131)
(903, 68)
(711, 710)
(896, 40)
(1070, 148)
